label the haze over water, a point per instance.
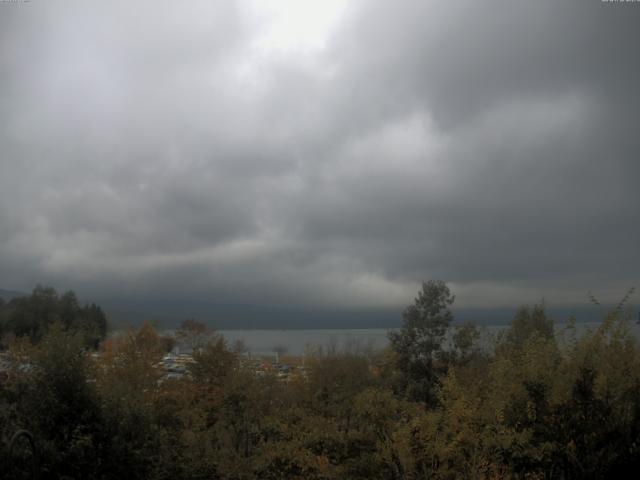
(298, 342)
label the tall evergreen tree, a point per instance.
(419, 342)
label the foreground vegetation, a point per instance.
(537, 404)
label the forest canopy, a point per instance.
(442, 401)
(32, 316)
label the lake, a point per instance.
(296, 342)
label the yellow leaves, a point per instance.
(520, 411)
(500, 415)
(531, 411)
(290, 460)
(126, 369)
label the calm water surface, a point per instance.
(297, 342)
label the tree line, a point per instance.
(437, 403)
(31, 316)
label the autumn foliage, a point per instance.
(531, 403)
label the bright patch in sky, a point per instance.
(295, 25)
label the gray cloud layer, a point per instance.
(158, 147)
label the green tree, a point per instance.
(127, 376)
(466, 344)
(32, 316)
(58, 404)
(527, 322)
(419, 341)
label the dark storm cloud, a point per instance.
(163, 148)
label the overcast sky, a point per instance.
(329, 153)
